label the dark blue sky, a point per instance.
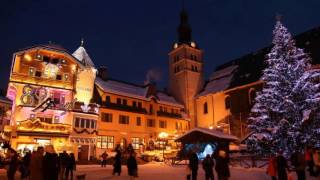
(131, 37)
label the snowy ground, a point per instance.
(159, 171)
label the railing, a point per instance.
(122, 107)
(41, 81)
(248, 161)
(168, 114)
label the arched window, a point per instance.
(205, 108)
(227, 102)
(251, 95)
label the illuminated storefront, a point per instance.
(50, 89)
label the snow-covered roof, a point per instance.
(134, 91)
(83, 57)
(212, 132)
(220, 80)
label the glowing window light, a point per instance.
(27, 57)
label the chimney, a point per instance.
(152, 89)
(103, 73)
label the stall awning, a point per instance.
(199, 134)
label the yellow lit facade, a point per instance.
(48, 97)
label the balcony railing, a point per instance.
(169, 114)
(41, 81)
(122, 107)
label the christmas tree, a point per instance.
(284, 113)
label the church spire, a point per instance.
(184, 29)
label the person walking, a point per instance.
(222, 165)
(24, 167)
(71, 166)
(272, 168)
(309, 160)
(282, 167)
(132, 166)
(12, 161)
(117, 163)
(36, 164)
(50, 164)
(193, 165)
(104, 157)
(63, 161)
(299, 163)
(207, 165)
(316, 160)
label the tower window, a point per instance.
(124, 102)
(205, 108)
(107, 99)
(118, 101)
(195, 68)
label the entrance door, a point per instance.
(83, 152)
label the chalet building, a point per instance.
(50, 90)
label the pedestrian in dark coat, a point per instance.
(207, 165)
(24, 167)
(63, 158)
(117, 163)
(132, 166)
(71, 166)
(50, 164)
(282, 167)
(299, 163)
(104, 157)
(13, 162)
(222, 166)
(193, 165)
(36, 165)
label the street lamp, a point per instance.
(163, 136)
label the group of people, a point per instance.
(219, 161)
(43, 164)
(131, 161)
(278, 167)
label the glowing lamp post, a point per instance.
(163, 136)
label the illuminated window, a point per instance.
(32, 71)
(106, 117)
(123, 119)
(163, 124)
(135, 142)
(151, 123)
(105, 142)
(228, 102)
(138, 121)
(205, 108)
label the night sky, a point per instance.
(132, 37)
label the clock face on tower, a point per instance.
(51, 70)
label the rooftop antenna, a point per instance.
(82, 41)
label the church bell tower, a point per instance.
(186, 68)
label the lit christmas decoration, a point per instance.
(287, 101)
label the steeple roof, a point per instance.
(82, 56)
(184, 29)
